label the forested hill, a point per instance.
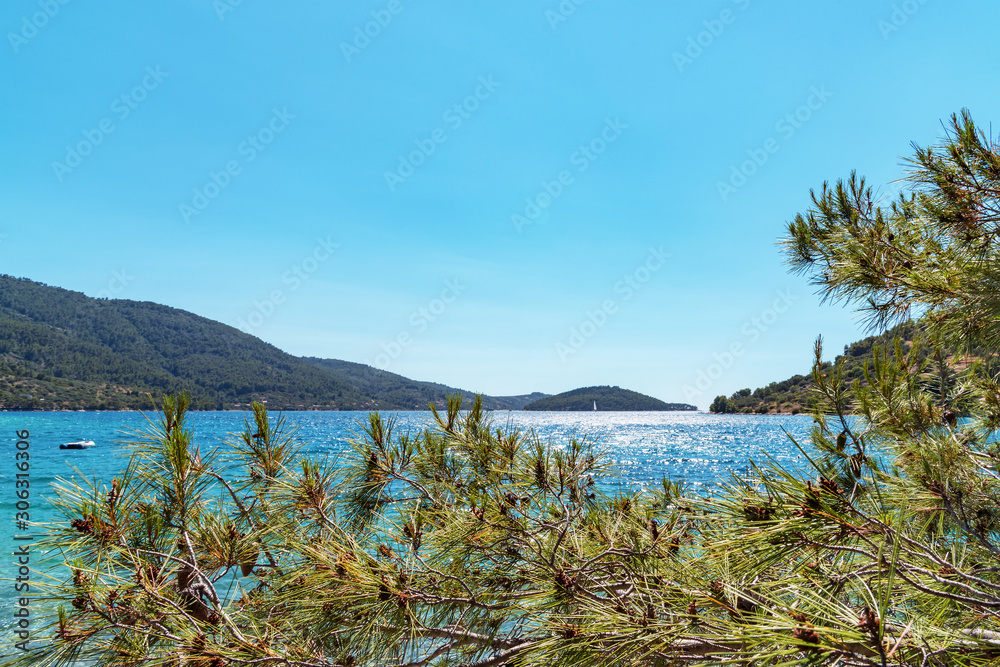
(64, 350)
(792, 395)
(399, 390)
(606, 399)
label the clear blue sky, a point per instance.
(338, 194)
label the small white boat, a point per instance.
(82, 444)
(595, 406)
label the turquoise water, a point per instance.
(697, 448)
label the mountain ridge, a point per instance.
(60, 349)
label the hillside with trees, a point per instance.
(797, 394)
(607, 399)
(397, 390)
(63, 350)
(794, 395)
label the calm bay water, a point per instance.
(695, 447)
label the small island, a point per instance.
(604, 399)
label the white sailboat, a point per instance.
(595, 406)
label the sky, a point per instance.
(503, 196)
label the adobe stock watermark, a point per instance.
(890, 192)
(30, 25)
(454, 116)
(364, 34)
(223, 7)
(901, 13)
(562, 12)
(248, 149)
(119, 281)
(627, 287)
(750, 332)
(696, 44)
(581, 158)
(419, 321)
(786, 127)
(122, 107)
(296, 275)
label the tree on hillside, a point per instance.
(470, 543)
(722, 405)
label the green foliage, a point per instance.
(469, 543)
(723, 406)
(463, 542)
(606, 398)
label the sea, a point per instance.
(698, 449)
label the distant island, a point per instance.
(606, 399)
